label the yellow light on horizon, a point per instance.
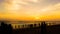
(37, 18)
(24, 10)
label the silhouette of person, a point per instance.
(43, 27)
(3, 27)
(7, 29)
(31, 25)
(19, 26)
(34, 25)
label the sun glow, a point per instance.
(36, 17)
(29, 10)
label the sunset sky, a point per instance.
(30, 10)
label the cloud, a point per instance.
(17, 6)
(51, 7)
(33, 1)
(28, 8)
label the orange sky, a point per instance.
(30, 10)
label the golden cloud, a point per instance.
(51, 7)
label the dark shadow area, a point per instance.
(5, 28)
(43, 28)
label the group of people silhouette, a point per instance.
(8, 29)
(5, 28)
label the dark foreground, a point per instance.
(42, 29)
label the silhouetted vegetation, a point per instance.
(41, 29)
